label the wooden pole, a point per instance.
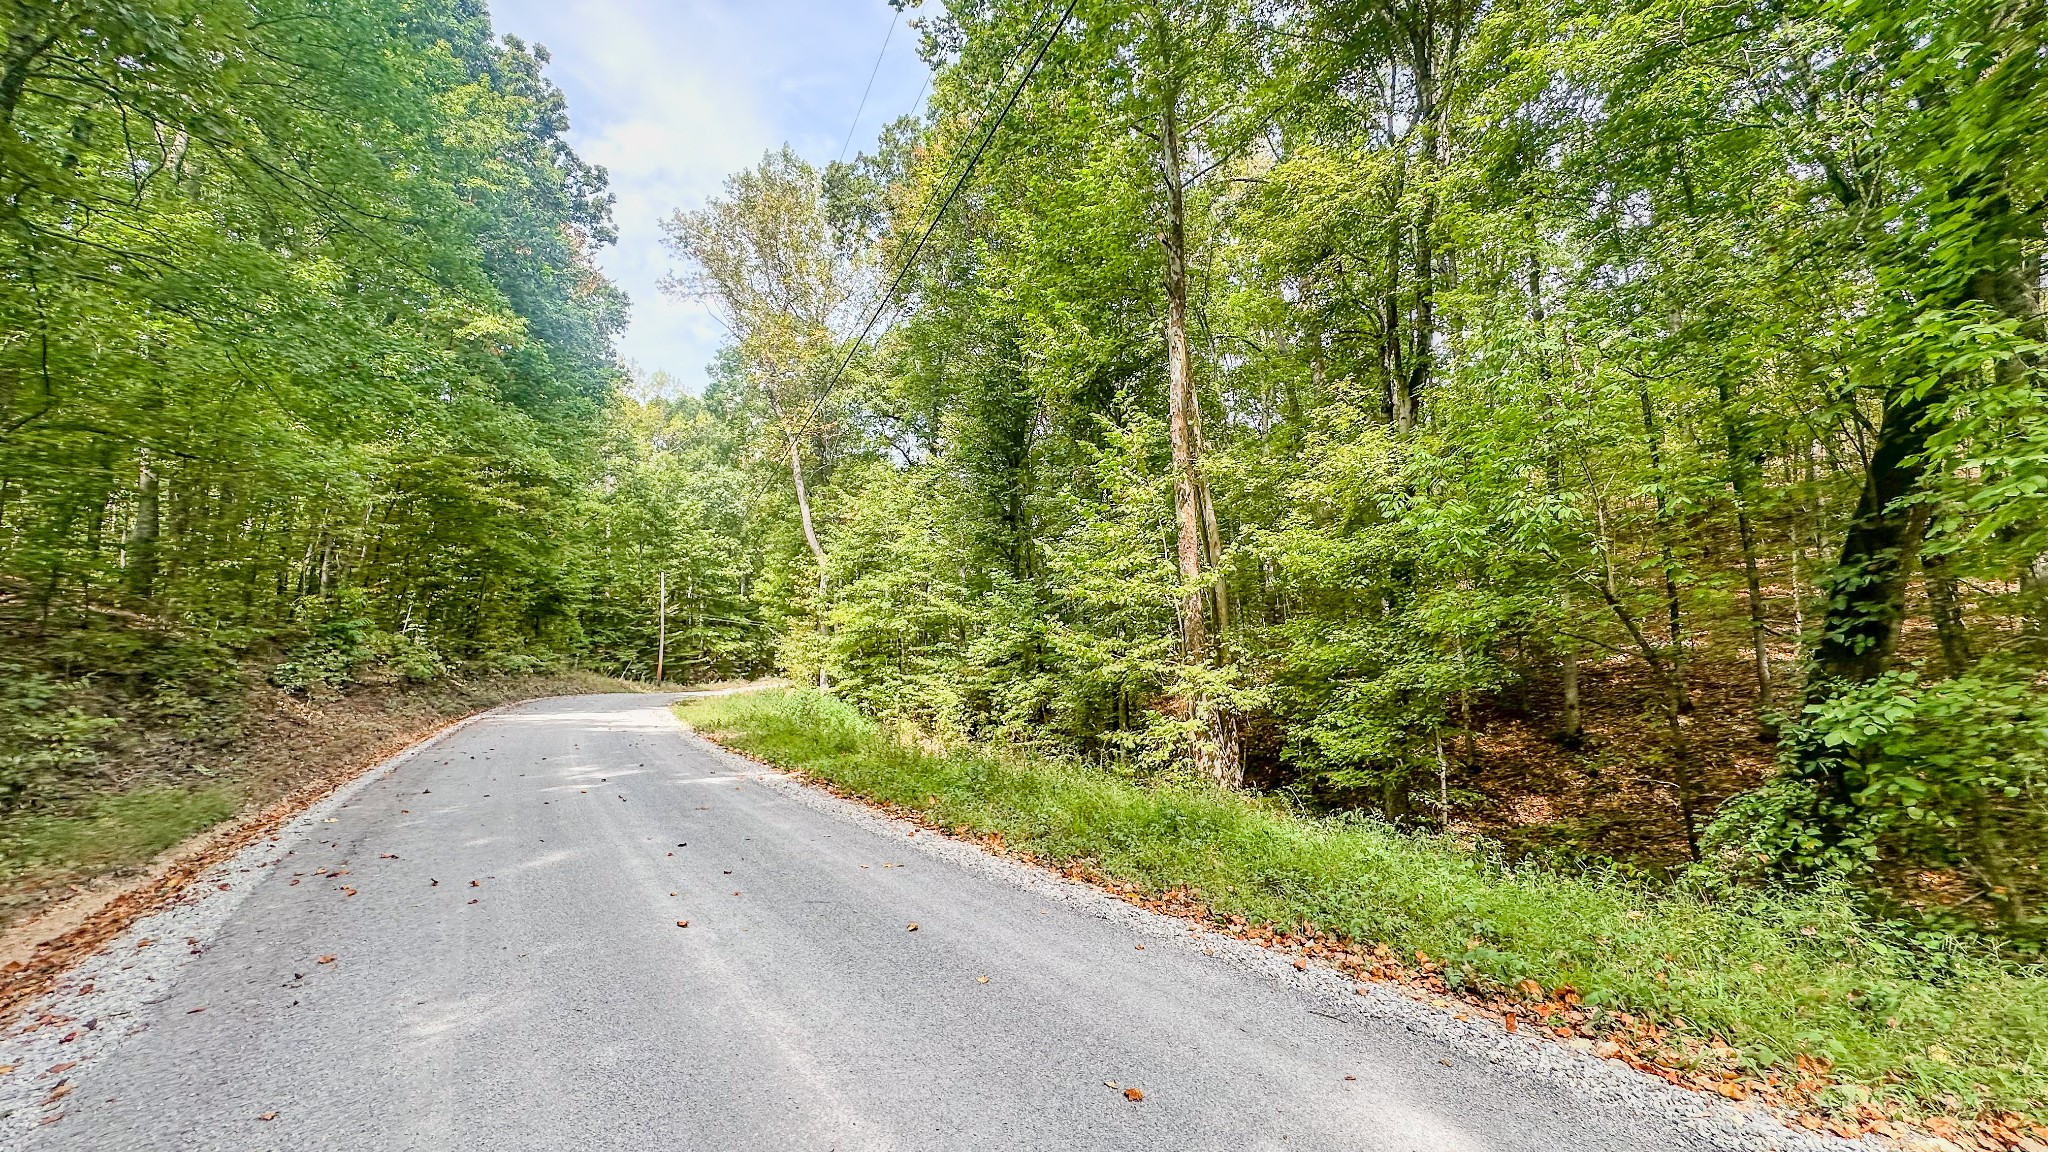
(661, 630)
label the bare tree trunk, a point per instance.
(143, 534)
(1572, 727)
(1215, 750)
(1947, 608)
(803, 507)
(1674, 619)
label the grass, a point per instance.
(113, 831)
(1925, 1026)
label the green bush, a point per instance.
(339, 642)
(45, 735)
(1950, 775)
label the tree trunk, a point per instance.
(1866, 593)
(1674, 622)
(1216, 749)
(803, 507)
(143, 534)
(1740, 479)
(1946, 606)
(1572, 726)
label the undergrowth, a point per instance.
(111, 831)
(1926, 1023)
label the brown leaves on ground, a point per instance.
(327, 959)
(911, 928)
(267, 1116)
(682, 923)
(1134, 1094)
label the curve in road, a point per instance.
(480, 946)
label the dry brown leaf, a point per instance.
(1134, 1094)
(682, 923)
(327, 959)
(912, 928)
(268, 1116)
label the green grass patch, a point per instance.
(110, 831)
(1931, 1025)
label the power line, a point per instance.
(951, 195)
(876, 71)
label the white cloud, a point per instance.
(672, 96)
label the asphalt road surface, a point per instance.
(477, 948)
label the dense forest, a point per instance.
(1339, 398)
(1430, 409)
(305, 368)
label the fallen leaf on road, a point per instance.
(1109, 1084)
(58, 1069)
(1351, 1077)
(912, 928)
(327, 959)
(268, 1116)
(346, 892)
(1508, 1018)
(190, 1011)
(981, 979)
(1134, 1094)
(380, 856)
(6, 1068)
(1301, 963)
(57, 1093)
(682, 923)
(472, 900)
(474, 884)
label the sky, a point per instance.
(672, 95)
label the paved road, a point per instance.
(508, 974)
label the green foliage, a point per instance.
(1945, 773)
(1775, 975)
(45, 734)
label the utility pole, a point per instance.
(661, 630)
